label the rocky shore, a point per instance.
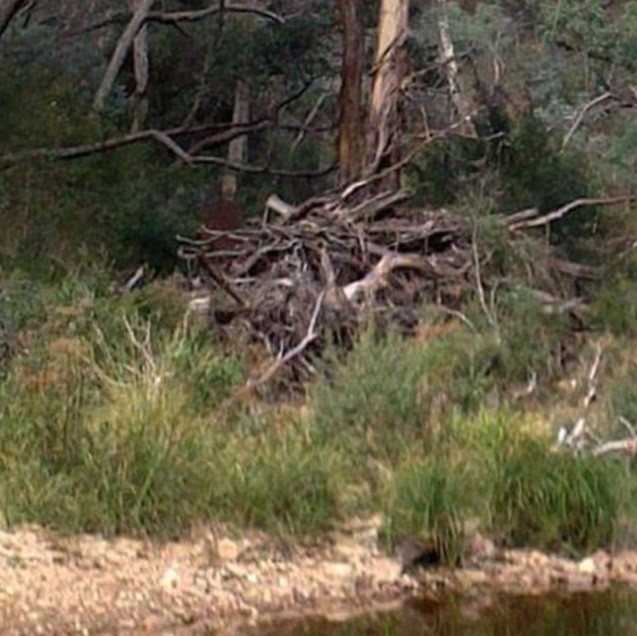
(51, 584)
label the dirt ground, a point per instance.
(211, 583)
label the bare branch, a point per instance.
(194, 16)
(580, 117)
(119, 55)
(183, 16)
(565, 209)
(164, 138)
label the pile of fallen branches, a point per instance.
(302, 277)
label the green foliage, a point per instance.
(375, 391)
(535, 174)
(109, 423)
(534, 495)
(615, 304)
(586, 26)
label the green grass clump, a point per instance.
(428, 501)
(535, 495)
(284, 482)
(552, 500)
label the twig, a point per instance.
(625, 446)
(221, 281)
(580, 116)
(132, 282)
(592, 375)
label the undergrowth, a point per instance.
(110, 423)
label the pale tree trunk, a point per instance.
(350, 135)
(389, 70)
(459, 100)
(238, 147)
(141, 64)
(120, 53)
(8, 9)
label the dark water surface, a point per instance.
(592, 614)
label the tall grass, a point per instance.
(109, 423)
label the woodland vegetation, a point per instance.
(430, 312)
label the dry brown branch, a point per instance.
(622, 446)
(545, 219)
(369, 256)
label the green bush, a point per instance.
(374, 392)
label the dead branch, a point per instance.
(195, 16)
(622, 446)
(378, 278)
(119, 55)
(545, 219)
(581, 114)
(577, 438)
(181, 16)
(165, 139)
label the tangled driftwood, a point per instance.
(301, 277)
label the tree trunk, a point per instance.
(350, 136)
(461, 104)
(8, 9)
(389, 68)
(140, 60)
(238, 147)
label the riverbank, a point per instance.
(50, 584)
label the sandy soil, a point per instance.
(51, 584)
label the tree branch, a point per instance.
(182, 16)
(119, 55)
(580, 117)
(8, 10)
(194, 16)
(166, 140)
(564, 210)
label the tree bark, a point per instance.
(389, 67)
(460, 102)
(8, 9)
(238, 147)
(121, 50)
(350, 135)
(141, 64)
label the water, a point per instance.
(592, 614)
